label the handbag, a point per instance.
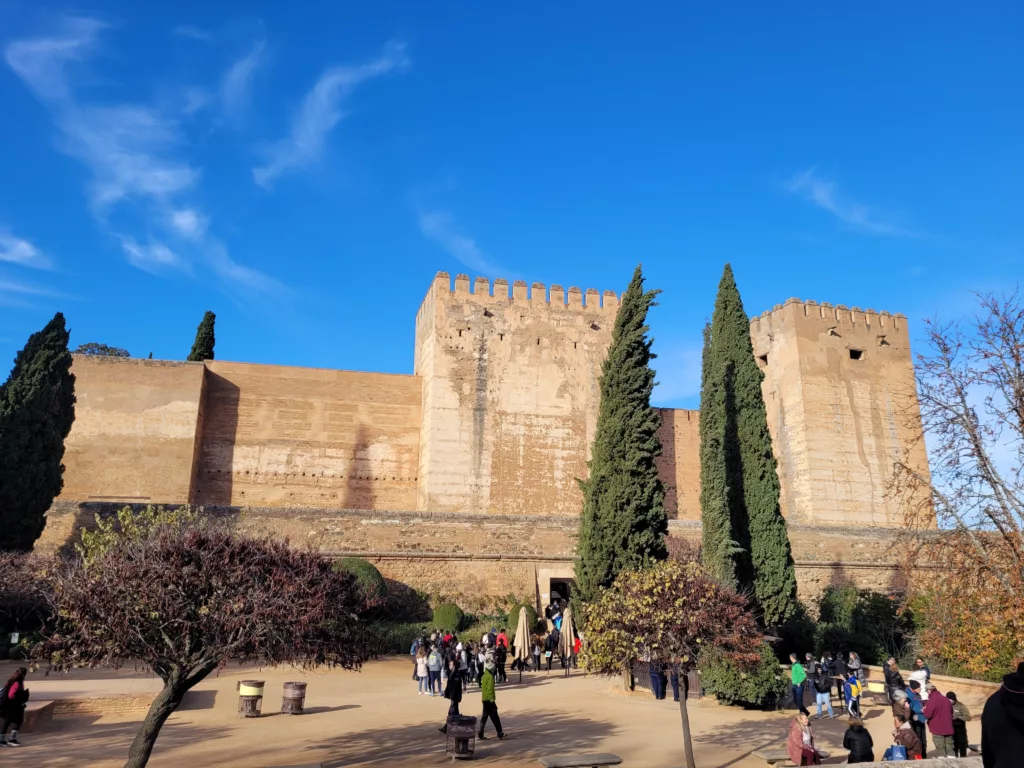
(895, 752)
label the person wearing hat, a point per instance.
(489, 700)
(938, 711)
(1002, 723)
(917, 718)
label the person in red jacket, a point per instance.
(938, 711)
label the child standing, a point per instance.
(851, 692)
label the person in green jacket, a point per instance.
(799, 678)
(487, 694)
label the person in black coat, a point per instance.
(12, 710)
(893, 679)
(858, 741)
(1002, 724)
(452, 692)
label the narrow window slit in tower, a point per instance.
(763, 360)
(856, 354)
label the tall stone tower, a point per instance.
(842, 405)
(510, 394)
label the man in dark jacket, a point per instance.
(822, 690)
(839, 670)
(452, 692)
(1002, 724)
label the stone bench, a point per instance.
(38, 715)
(580, 761)
(780, 756)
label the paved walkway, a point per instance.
(376, 717)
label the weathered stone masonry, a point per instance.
(482, 445)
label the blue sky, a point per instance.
(304, 169)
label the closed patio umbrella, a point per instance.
(567, 641)
(521, 641)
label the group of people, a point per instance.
(832, 670)
(444, 665)
(918, 708)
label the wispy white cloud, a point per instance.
(439, 226)
(188, 223)
(194, 99)
(193, 33)
(15, 293)
(236, 86)
(825, 195)
(321, 111)
(137, 156)
(16, 250)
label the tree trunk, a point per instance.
(163, 705)
(687, 743)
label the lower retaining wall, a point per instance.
(475, 556)
(113, 704)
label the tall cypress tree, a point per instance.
(202, 347)
(37, 407)
(739, 450)
(623, 524)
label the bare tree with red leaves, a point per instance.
(185, 601)
(669, 613)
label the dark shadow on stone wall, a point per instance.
(359, 482)
(214, 478)
(666, 463)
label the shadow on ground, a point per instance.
(69, 738)
(530, 736)
(749, 736)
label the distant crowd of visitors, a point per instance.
(918, 708)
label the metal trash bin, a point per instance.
(250, 698)
(293, 700)
(461, 742)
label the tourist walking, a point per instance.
(500, 657)
(422, 674)
(917, 718)
(490, 702)
(938, 711)
(1002, 723)
(800, 743)
(822, 690)
(961, 716)
(502, 639)
(857, 741)
(798, 678)
(840, 670)
(658, 679)
(851, 694)
(903, 735)
(551, 646)
(434, 664)
(12, 707)
(893, 678)
(452, 692)
(536, 655)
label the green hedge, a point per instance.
(448, 616)
(395, 636)
(375, 589)
(513, 618)
(760, 685)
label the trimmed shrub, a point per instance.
(448, 616)
(374, 588)
(395, 637)
(513, 617)
(405, 603)
(761, 685)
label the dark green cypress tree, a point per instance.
(37, 407)
(202, 347)
(623, 524)
(762, 558)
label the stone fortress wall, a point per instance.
(461, 478)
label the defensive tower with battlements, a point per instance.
(464, 472)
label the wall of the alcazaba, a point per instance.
(485, 556)
(679, 463)
(135, 430)
(842, 405)
(306, 437)
(510, 394)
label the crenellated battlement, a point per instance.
(482, 290)
(840, 314)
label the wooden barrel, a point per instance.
(294, 699)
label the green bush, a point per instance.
(863, 621)
(375, 589)
(762, 684)
(448, 616)
(513, 617)
(405, 603)
(395, 637)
